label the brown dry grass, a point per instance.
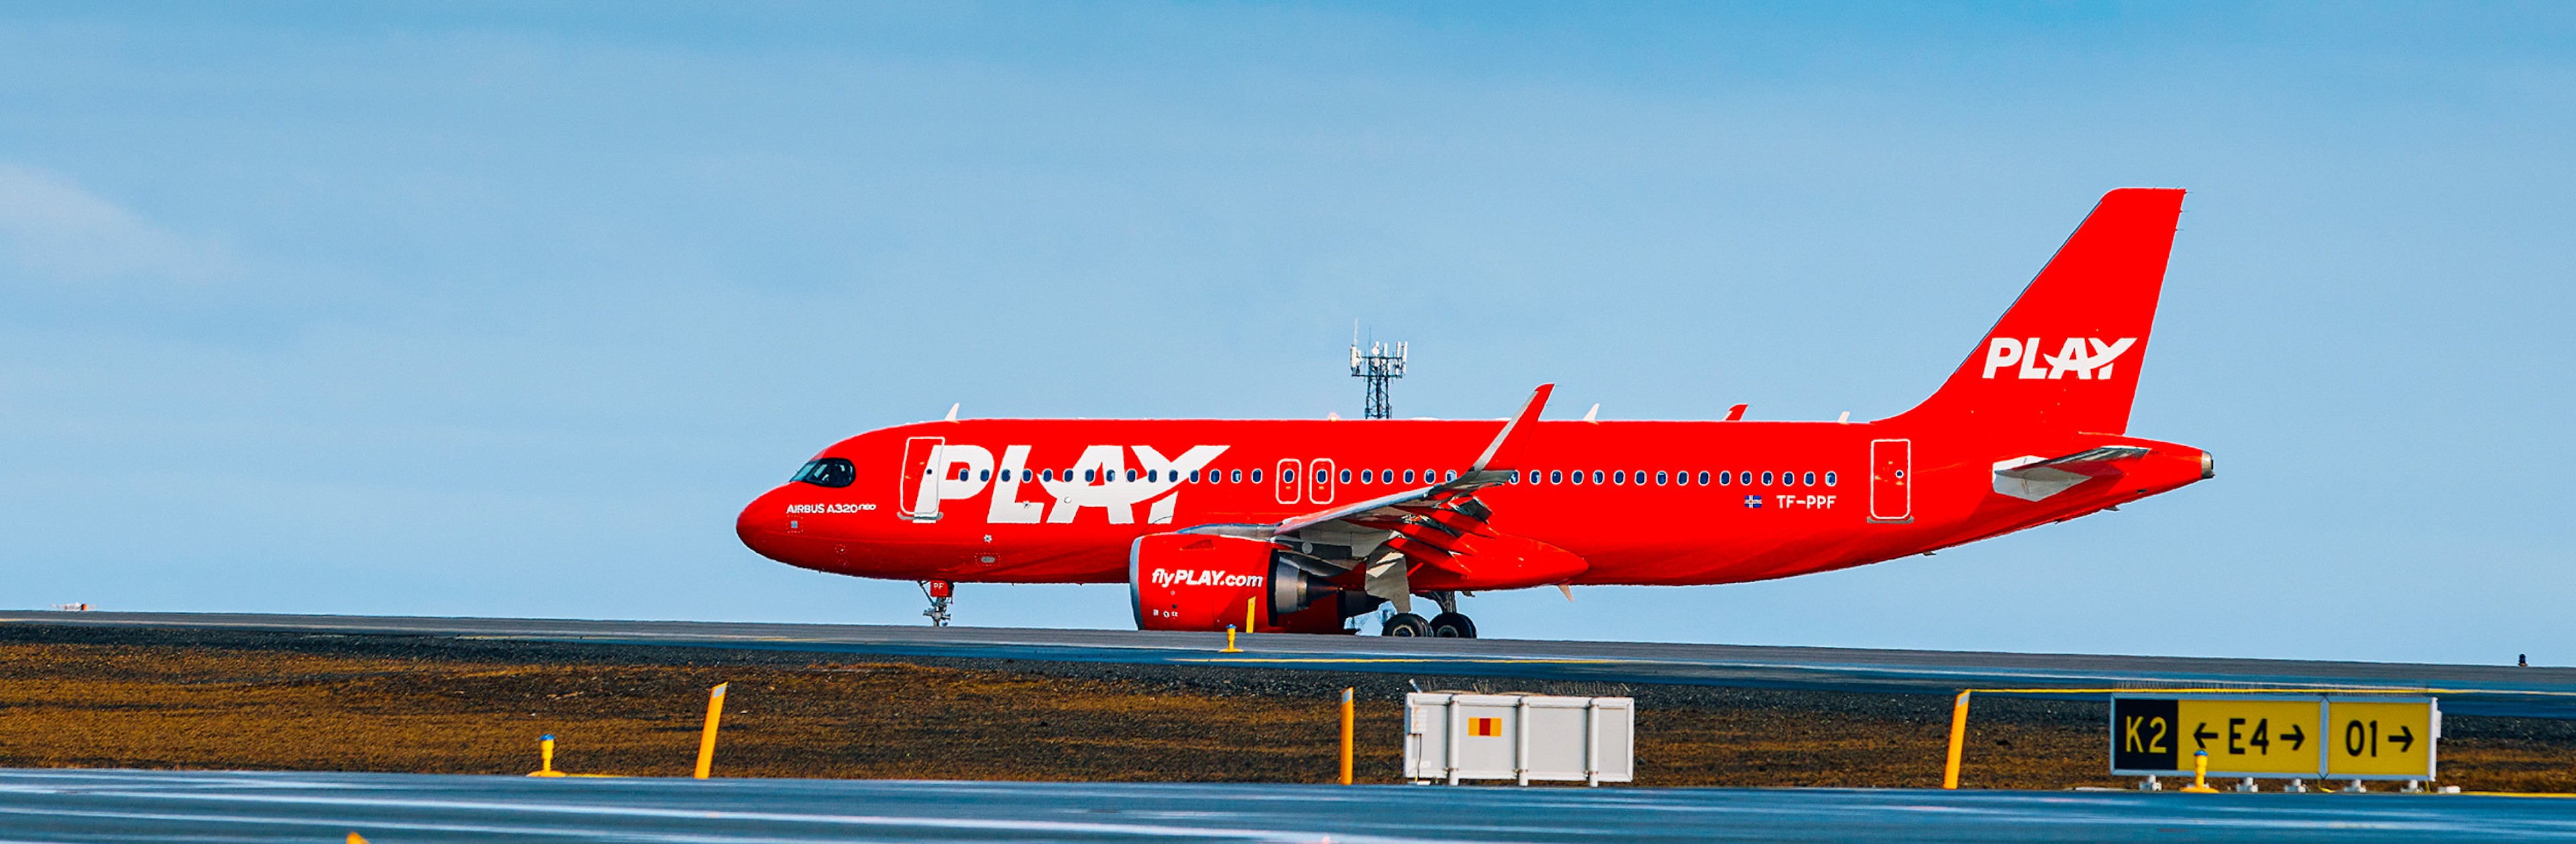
(163, 706)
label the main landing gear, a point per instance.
(1449, 624)
(940, 592)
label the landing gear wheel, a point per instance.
(1450, 625)
(1405, 624)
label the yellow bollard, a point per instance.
(1229, 642)
(1248, 605)
(355, 838)
(707, 739)
(1958, 739)
(2200, 774)
(1346, 736)
(546, 758)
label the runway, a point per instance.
(2463, 689)
(252, 807)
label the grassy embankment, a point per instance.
(168, 706)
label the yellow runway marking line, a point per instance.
(2333, 690)
(1336, 660)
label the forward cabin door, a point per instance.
(1891, 482)
(1286, 483)
(917, 494)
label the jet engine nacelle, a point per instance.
(1204, 582)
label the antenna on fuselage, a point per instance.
(1384, 362)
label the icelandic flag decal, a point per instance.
(1753, 501)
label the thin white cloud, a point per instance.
(53, 227)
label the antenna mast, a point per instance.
(1382, 363)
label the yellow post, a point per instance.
(1958, 740)
(1229, 641)
(355, 838)
(1346, 736)
(2200, 773)
(707, 739)
(1248, 605)
(545, 758)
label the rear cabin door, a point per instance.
(917, 494)
(1891, 482)
(1322, 491)
(1287, 482)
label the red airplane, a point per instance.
(1304, 525)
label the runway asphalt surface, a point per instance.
(2463, 689)
(256, 807)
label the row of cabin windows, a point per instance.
(1687, 478)
(1093, 476)
(1371, 476)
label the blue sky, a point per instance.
(499, 309)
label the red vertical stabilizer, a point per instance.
(2066, 356)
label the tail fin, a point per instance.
(2066, 356)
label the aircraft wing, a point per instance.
(1493, 467)
(1417, 526)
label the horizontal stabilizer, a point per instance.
(2034, 478)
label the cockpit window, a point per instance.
(829, 471)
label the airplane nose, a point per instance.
(2208, 466)
(763, 518)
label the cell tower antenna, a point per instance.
(1382, 362)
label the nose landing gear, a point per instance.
(940, 592)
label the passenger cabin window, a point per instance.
(1808, 479)
(1766, 479)
(829, 471)
(1346, 476)
(1408, 476)
(1703, 478)
(1556, 476)
(1659, 479)
(1256, 476)
(1576, 476)
(1619, 476)
(1090, 475)
(1829, 479)
(1235, 476)
(1596, 476)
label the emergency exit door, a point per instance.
(917, 493)
(1891, 487)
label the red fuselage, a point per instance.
(1631, 532)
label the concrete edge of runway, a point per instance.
(2468, 689)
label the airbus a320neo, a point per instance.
(1305, 525)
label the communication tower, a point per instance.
(1382, 363)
